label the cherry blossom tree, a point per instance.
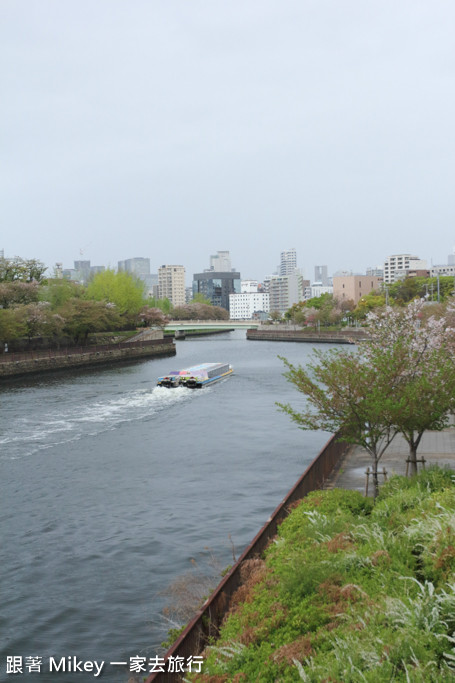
(402, 380)
(419, 353)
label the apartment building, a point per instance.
(171, 284)
(397, 266)
(288, 262)
(285, 290)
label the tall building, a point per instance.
(285, 290)
(288, 262)
(397, 266)
(139, 266)
(216, 286)
(320, 275)
(82, 272)
(171, 284)
(221, 262)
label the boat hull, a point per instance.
(196, 377)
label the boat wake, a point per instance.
(24, 436)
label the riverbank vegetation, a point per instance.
(348, 591)
(401, 380)
(326, 311)
(62, 311)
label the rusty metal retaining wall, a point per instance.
(207, 621)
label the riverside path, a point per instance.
(437, 448)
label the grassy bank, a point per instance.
(349, 592)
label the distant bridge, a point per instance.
(204, 324)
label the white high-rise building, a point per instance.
(396, 266)
(221, 262)
(171, 284)
(288, 262)
(285, 290)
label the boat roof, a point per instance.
(194, 369)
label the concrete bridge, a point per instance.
(210, 324)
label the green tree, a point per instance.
(368, 303)
(199, 298)
(26, 270)
(36, 319)
(418, 353)
(402, 380)
(296, 313)
(15, 292)
(346, 395)
(58, 291)
(83, 317)
(163, 304)
(326, 300)
(275, 316)
(12, 325)
(122, 289)
(153, 317)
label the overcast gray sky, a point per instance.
(175, 128)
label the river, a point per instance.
(112, 489)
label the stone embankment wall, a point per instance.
(16, 364)
(275, 333)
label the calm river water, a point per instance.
(111, 488)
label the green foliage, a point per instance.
(319, 302)
(57, 292)
(368, 303)
(83, 317)
(12, 325)
(345, 393)
(401, 380)
(199, 298)
(17, 292)
(355, 595)
(172, 636)
(23, 270)
(121, 289)
(275, 316)
(404, 291)
(163, 304)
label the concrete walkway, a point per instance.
(438, 448)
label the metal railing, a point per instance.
(207, 621)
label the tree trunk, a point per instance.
(412, 470)
(375, 478)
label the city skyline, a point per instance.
(252, 127)
(312, 275)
